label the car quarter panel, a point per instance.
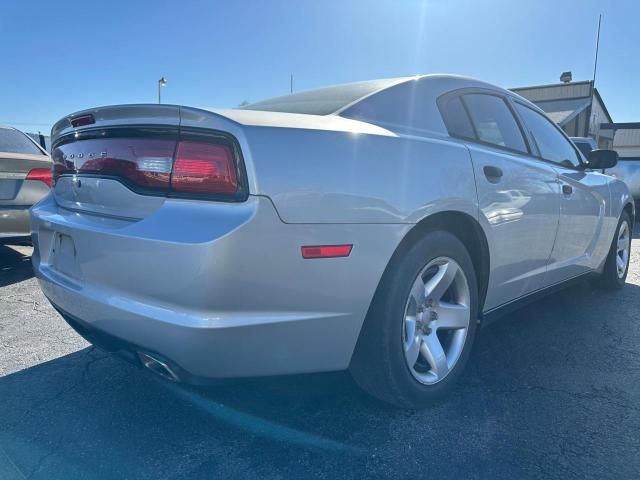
(316, 176)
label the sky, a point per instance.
(63, 56)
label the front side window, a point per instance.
(552, 145)
(13, 141)
(493, 121)
(584, 147)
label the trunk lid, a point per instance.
(14, 168)
(126, 160)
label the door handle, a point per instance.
(567, 189)
(493, 174)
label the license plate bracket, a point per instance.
(65, 255)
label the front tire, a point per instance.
(421, 324)
(616, 265)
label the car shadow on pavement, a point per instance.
(14, 266)
(541, 387)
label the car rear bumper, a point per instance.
(14, 222)
(235, 299)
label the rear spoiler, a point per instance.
(120, 115)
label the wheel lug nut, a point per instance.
(434, 315)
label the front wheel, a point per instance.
(421, 324)
(616, 265)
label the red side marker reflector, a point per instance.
(326, 251)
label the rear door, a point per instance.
(518, 195)
(582, 240)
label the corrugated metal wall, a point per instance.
(628, 137)
(552, 92)
(627, 143)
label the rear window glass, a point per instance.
(456, 119)
(401, 106)
(13, 141)
(322, 101)
(494, 122)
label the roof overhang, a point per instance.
(620, 126)
(563, 111)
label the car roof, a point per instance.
(352, 93)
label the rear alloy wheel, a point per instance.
(616, 266)
(436, 320)
(420, 326)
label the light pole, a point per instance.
(161, 83)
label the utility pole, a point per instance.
(596, 129)
(291, 84)
(595, 63)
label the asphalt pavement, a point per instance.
(551, 391)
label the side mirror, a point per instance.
(602, 159)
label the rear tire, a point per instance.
(616, 265)
(421, 324)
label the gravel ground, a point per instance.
(552, 391)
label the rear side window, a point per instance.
(13, 141)
(494, 122)
(552, 145)
(456, 119)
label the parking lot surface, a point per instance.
(551, 391)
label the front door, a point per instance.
(582, 241)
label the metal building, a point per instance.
(576, 107)
(626, 138)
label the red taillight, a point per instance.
(40, 175)
(204, 168)
(198, 168)
(83, 120)
(326, 251)
(143, 162)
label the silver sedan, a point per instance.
(370, 226)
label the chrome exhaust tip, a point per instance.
(157, 366)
